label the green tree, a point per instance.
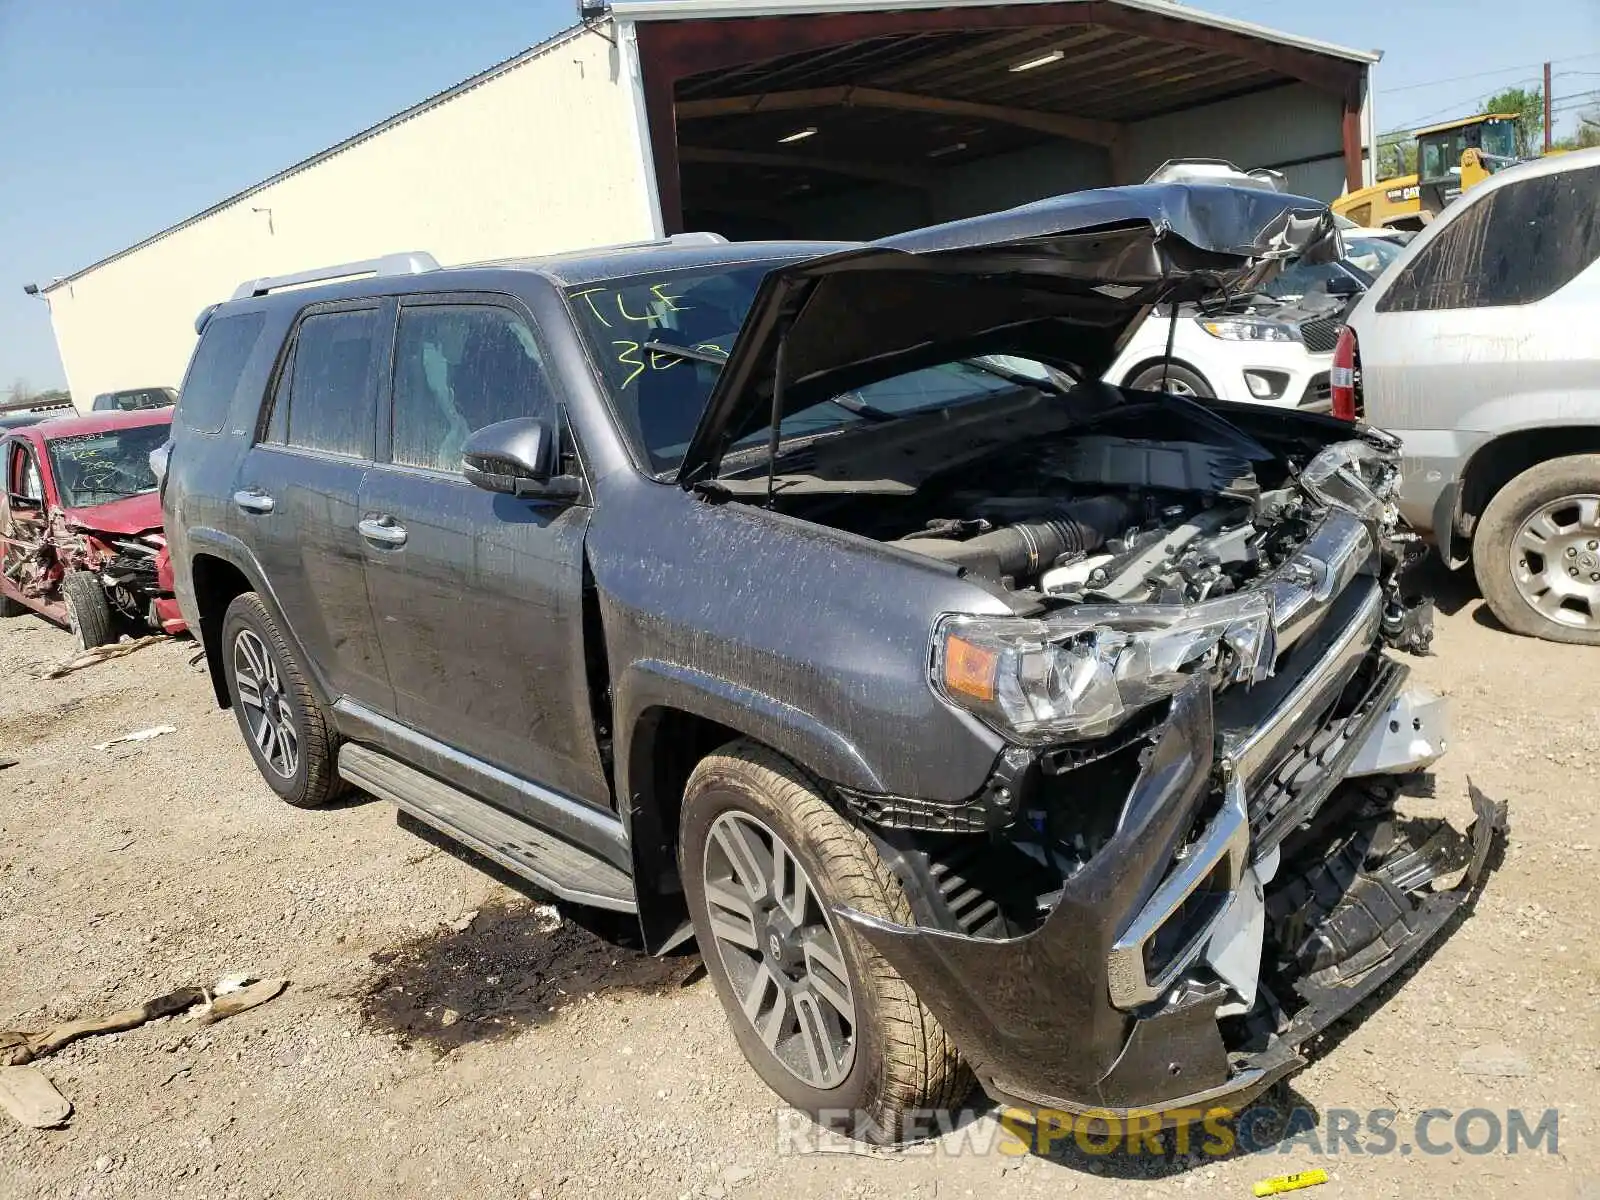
(1588, 131)
(1528, 104)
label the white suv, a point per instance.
(1272, 348)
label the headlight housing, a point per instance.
(1082, 673)
(1248, 329)
(1354, 476)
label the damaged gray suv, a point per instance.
(978, 719)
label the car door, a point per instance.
(22, 519)
(298, 491)
(478, 596)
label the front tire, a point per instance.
(1536, 551)
(825, 1021)
(88, 610)
(281, 721)
(1180, 381)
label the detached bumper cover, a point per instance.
(1078, 1015)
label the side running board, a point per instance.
(554, 865)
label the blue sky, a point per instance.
(120, 117)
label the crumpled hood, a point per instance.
(134, 514)
(1064, 281)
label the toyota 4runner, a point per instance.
(812, 601)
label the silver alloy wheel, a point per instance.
(266, 708)
(1555, 561)
(776, 941)
(1176, 387)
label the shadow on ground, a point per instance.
(516, 964)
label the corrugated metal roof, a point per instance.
(688, 10)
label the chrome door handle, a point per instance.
(254, 500)
(383, 530)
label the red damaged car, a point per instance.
(80, 526)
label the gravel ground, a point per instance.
(444, 1035)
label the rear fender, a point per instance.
(207, 627)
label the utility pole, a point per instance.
(1547, 108)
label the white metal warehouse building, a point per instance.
(813, 118)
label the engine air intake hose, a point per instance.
(1028, 547)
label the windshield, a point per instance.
(1372, 255)
(631, 324)
(1368, 257)
(97, 468)
(1500, 138)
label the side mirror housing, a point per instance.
(518, 457)
(1344, 285)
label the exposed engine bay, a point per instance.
(1119, 520)
(1102, 512)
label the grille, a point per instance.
(1320, 336)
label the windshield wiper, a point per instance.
(688, 353)
(854, 404)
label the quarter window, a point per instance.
(330, 401)
(457, 368)
(219, 360)
(1517, 245)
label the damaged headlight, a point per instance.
(1082, 673)
(1354, 476)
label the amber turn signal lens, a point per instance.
(969, 669)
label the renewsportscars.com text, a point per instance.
(1216, 1132)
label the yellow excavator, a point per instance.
(1451, 158)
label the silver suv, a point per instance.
(1479, 349)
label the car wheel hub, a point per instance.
(776, 941)
(266, 709)
(1555, 561)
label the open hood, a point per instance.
(1064, 281)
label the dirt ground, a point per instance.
(446, 1036)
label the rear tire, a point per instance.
(1180, 381)
(899, 1058)
(1536, 551)
(88, 611)
(295, 750)
(11, 608)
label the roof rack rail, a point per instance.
(413, 262)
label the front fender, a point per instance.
(792, 732)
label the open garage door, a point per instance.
(854, 120)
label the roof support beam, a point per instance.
(900, 176)
(1082, 129)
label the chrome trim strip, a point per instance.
(1226, 840)
(1252, 753)
(1305, 586)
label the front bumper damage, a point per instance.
(1256, 889)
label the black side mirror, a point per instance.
(518, 457)
(1344, 285)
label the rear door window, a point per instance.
(457, 368)
(214, 373)
(327, 394)
(1517, 245)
